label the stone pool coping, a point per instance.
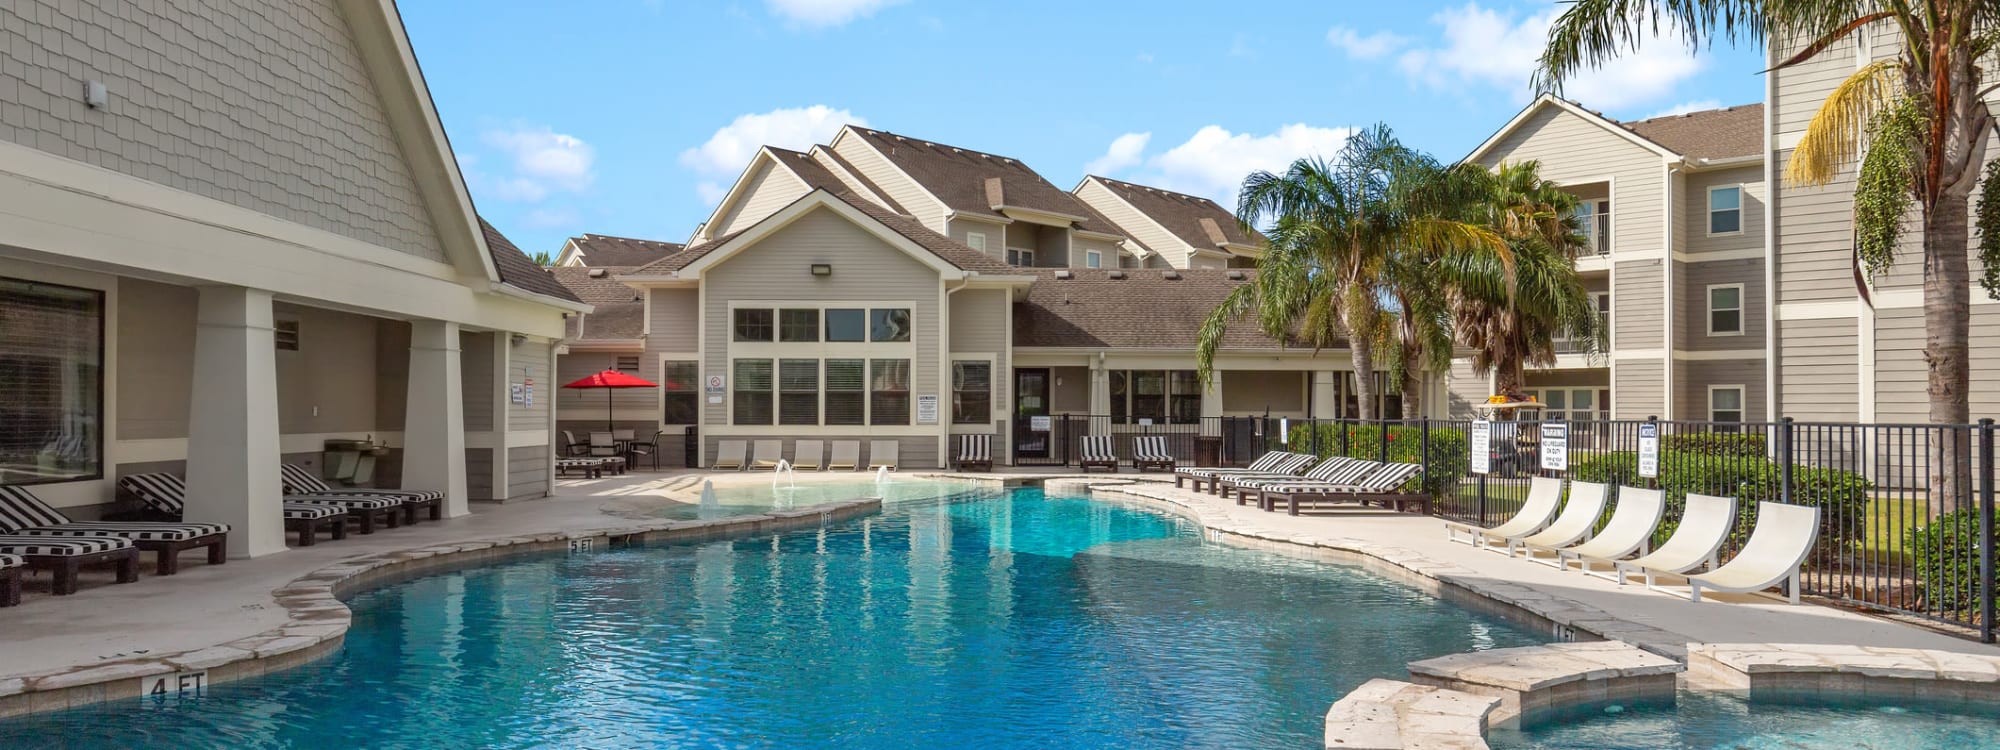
(318, 617)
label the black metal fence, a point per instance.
(1210, 441)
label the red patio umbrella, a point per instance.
(610, 379)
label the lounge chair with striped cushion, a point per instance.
(166, 495)
(1335, 470)
(10, 580)
(1275, 463)
(1099, 452)
(23, 514)
(975, 452)
(1150, 452)
(65, 555)
(300, 480)
(1381, 486)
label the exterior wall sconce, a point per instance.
(822, 269)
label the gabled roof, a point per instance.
(1147, 309)
(595, 285)
(517, 271)
(945, 248)
(622, 321)
(1197, 221)
(978, 183)
(1725, 133)
(605, 251)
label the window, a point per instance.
(1725, 403)
(51, 370)
(1121, 397)
(1161, 396)
(285, 334)
(626, 363)
(753, 391)
(1020, 257)
(889, 324)
(1570, 404)
(798, 325)
(846, 325)
(1725, 210)
(1593, 220)
(1725, 310)
(753, 325)
(1093, 259)
(971, 392)
(1149, 396)
(1603, 302)
(798, 391)
(680, 392)
(845, 386)
(889, 392)
(1184, 406)
(976, 241)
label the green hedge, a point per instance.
(1717, 444)
(1443, 468)
(1947, 558)
(1842, 496)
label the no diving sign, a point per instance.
(176, 685)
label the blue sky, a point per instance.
(629, 117)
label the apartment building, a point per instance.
(235, 233)
(1674, 210)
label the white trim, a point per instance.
(944, 209)
(1771, 193)
(1552, 100)
(1187, 249)
(1708, 304)
(700, 392)
(1742, 401)
(154, 450)
(514, 439)
(743, 179)
(1638, 354)
(1035, 216)
(980, 245)
(1711, 355)
(818, 199)
(1819, 310)
(1093, 258)
(992, 360)
(1748, 253)
(832, 164)
(1671, 184)
(1741, 193)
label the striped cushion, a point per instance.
(10, 561)
(312, 510)
(59, 546)
(1152, 448)
(160, 491)
(1334, 471)
(138, 531)
(300, 480)
(975, 448)
(348, 502)
(1098, 448)
(20, 509)
(401, 496)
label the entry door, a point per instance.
(1031, 399)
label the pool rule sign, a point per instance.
(1649, 450)
(1555, 446)
(1481, 444)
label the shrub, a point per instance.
(1443, 468)
(1737, 445)
(1841, 496)
(1947, 561)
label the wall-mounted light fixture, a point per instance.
(822, 269)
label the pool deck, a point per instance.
(208, 605)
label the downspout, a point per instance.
(944, 368)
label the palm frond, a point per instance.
(1835, 135)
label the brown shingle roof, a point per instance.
(601, 289)
(952, 251)
(1146, 309)
(1189, 217)
(1708, 134)
(622, 321)
(606, 251)
(960, 178)
(515, 268)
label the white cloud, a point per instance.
(1497, 49)
(550, 218)
(824, 13)
(1125, 151)
(1213, 162)
(539, 161)
(1686, 107)
(723, 156)
(1371, 47)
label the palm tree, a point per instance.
(1510, 328)
(1917, 124)
(1339, 235)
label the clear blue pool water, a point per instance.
(992, 621)
(1718, 721)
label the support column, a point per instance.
(1211, 404)
(1325, 394)
(434, 420)
(233, 457)
(498, 469)
(1100, 389)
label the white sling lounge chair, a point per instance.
(1580, 512)
(1544, 496)
(766, 454)
(882, 454)
(846, 456)
(1629, 530)
(729, 455)
(1777, 547)
(806, 455)
(1704, 525)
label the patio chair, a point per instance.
(166, 495)
(572, 446)
(729, 455)
(1099, 452)
(23, 514)
(1150, 452)
(1273, 462)
(299, 480)
(1704, 526)
(1381, 486)
(765, 455)
(1629, 530)
(882, 454)
(807, 455)
(1777, 547)
(66, 556)
(603, 444)
(1339, 470)
(649, 450)
(10, 580)
(1579, 514)
(975, 452)
(1544, 497)
(846, 456)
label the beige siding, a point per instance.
(479, 474)
(1693, 378)
(333, 372)
(1900, 373)
(530, 360)
(587, 405)
(766, 190)
(264, 105)
(1815, 241)
(392, 373)
(475, 367)
(876, 168)
(1636, 318)
(1570, 379)
(1695, 278)
(1069, 390)
(1255, 392)
(1080, 248)
(1573, 150)
(155, 359)
(1817, 370)
(527, 472)
(1638, 389)
(995, 234)
(1467, 388)
(675, 313)
(1695, 225)
(1134, 223)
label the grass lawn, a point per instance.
(1890, 519)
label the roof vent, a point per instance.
(1065, 275)
(1234, 275)
(1115, 275)
(597, 273)
(1171, 275)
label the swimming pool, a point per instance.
(757, 497)
(990, 620)
(1707, 720)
